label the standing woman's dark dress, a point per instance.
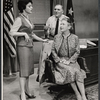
(24, 49)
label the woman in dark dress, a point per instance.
(23, 30)
(65, 51)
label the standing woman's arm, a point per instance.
(14, 29)
(38, 38)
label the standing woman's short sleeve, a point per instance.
(17, 24)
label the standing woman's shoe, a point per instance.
(20, 97)
(30, 96)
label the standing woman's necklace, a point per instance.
(25, 16)
(27, 20)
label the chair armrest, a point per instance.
(49, 63)
(83, 65)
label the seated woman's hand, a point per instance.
(62, 60)
(67, 62)
(61, 65)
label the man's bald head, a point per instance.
(58, 10)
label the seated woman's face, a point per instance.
(29, 8)
(64, 26)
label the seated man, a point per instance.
(52, 28)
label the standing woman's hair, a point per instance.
(22, 4)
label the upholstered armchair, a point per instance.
(49, 77)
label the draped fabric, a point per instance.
(70, 14)
(10, 61)
(8, 19)
(45, 52)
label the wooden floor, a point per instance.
(11, 88)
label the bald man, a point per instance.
(50, 31)
(51, 24)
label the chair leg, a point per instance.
(59, 95)
(55, 98)
(86, 95)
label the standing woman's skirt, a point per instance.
(26, 61)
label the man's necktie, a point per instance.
(57, 24)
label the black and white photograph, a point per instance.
(49, 49)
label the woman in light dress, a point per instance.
(65, 52)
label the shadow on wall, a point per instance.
(86, 18)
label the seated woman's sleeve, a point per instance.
(77, 51)
(54, 53)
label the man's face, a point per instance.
(58, 11)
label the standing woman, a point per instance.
(23, 30)
(65, 52)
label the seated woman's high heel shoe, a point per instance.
(30, 96)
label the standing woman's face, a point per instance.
(29, 8)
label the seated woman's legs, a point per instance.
(73, 85)
(82, 89)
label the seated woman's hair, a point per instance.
(67, 19)
(22, 4)
(70, 23)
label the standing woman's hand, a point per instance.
(27, 38)
(45, 40)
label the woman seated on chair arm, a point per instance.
(65, 51)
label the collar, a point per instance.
(66, 36)
(60, 18)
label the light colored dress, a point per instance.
(67, 48)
